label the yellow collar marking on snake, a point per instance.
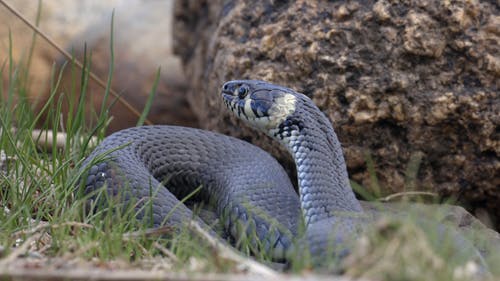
(248, 109)
(283, 107)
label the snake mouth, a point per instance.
(226, 92)
(230, 96)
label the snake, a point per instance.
(247, 187)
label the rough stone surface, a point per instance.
(413, 84)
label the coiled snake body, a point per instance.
(248, 188)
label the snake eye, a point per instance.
(242, 91)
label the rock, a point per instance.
(55, 18)
(413, 85)
(484, 239)
(142, 44)
(406, 236)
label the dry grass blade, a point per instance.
(20, 274)
(45, 138)
(23, 248)
(227, 253)
(408, 193)
(45, 225)
(68, 56)
(166, 252)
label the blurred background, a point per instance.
(142, 45)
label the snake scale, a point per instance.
(248, 188)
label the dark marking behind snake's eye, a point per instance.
(243, 91)
(261, 107)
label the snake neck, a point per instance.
(294, 120)
(323, 181)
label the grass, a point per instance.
(41, 216)
(38, 183)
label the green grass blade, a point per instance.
(149, 101)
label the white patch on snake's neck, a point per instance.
(282, 107)
(248, 109)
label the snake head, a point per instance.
(262, 105)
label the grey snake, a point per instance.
(248, 188)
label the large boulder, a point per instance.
(413, 84)
(61, 21)
(142, 44)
